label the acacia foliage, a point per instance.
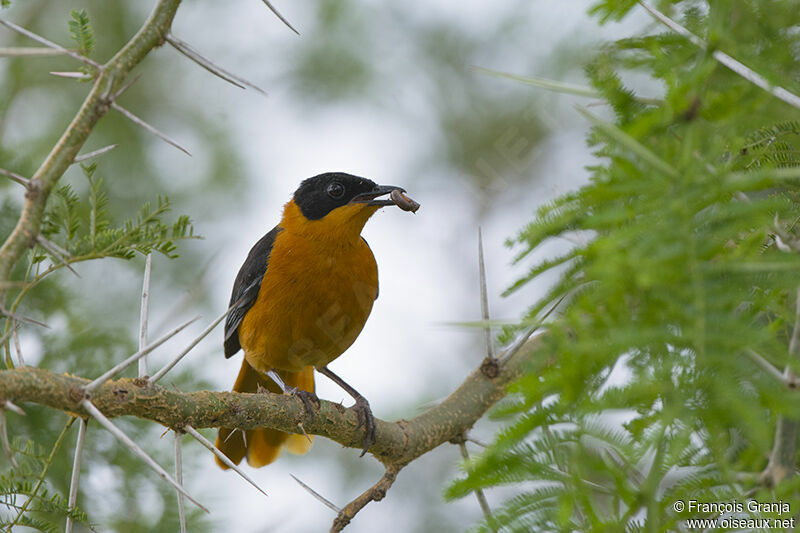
(688, 267)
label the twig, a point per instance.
(373, 494)
(160, 374)
(179, 479)
(143, 314)
(122, 437)
(135, 357)
(58, 252)
(487, 512)
(76, 473)
(29, 34)
(25, 182)
(723, 58)
(473, 440)
(28, 51)
(139, 122)
(222, 457)
(278, 14)
(185, 49)
(4, 439)
(318, 496)
(95, 153)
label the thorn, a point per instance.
(222, 457)
(300, 425)
(318, 496)
(58, 252)
(71, 75)
(29, 34)
(278, 14)
(484, 505)
(145, 308)
(127, 85)
(736, 66)
(25, 182)
(476, 441)
(179, 479)
(160, 374)
(19, 318)
(7, 404)
(484, 297)
(139, 122)
(76, 472)
(25, 51)
(135, 357)
(185, 49)
(122, 437)
(96, 153)
(17, 346)
(514, 348)
(4, 439)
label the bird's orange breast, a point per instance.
(313, 302)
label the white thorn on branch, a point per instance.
(58, 252)
(76, 472)
(186, 49)
(143, 314)
(29, 34)
(222, 457)
(7, 404)
(160, 374)
(17, 346)
(482, 502)
(95, 153)
(484, 297)
(520, 342)
(4, 439)
(25, 182)
(122, 437)
(72, 75)
(278, 14)
(318, 496)
(28, 51)
(765, 365)
(179, 478)
(736, 66)
(139, 122)
(135, 357)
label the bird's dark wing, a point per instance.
(378, 288)
(246, 287)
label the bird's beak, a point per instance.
(369, 198)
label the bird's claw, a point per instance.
(307, 398)
(365, 419)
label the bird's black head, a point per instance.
(318, 196)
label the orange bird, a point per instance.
(299, 301)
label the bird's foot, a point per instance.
(365, 419)
(307, 398)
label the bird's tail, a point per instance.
(262, 445)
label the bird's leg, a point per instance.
(306, 396)
(362, 408)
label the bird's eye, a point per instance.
(335, 190)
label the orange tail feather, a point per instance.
(262, 446)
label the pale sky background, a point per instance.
(409, 353)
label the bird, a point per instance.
(300, 300)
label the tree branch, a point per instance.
(397, 443)
(109, 79)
